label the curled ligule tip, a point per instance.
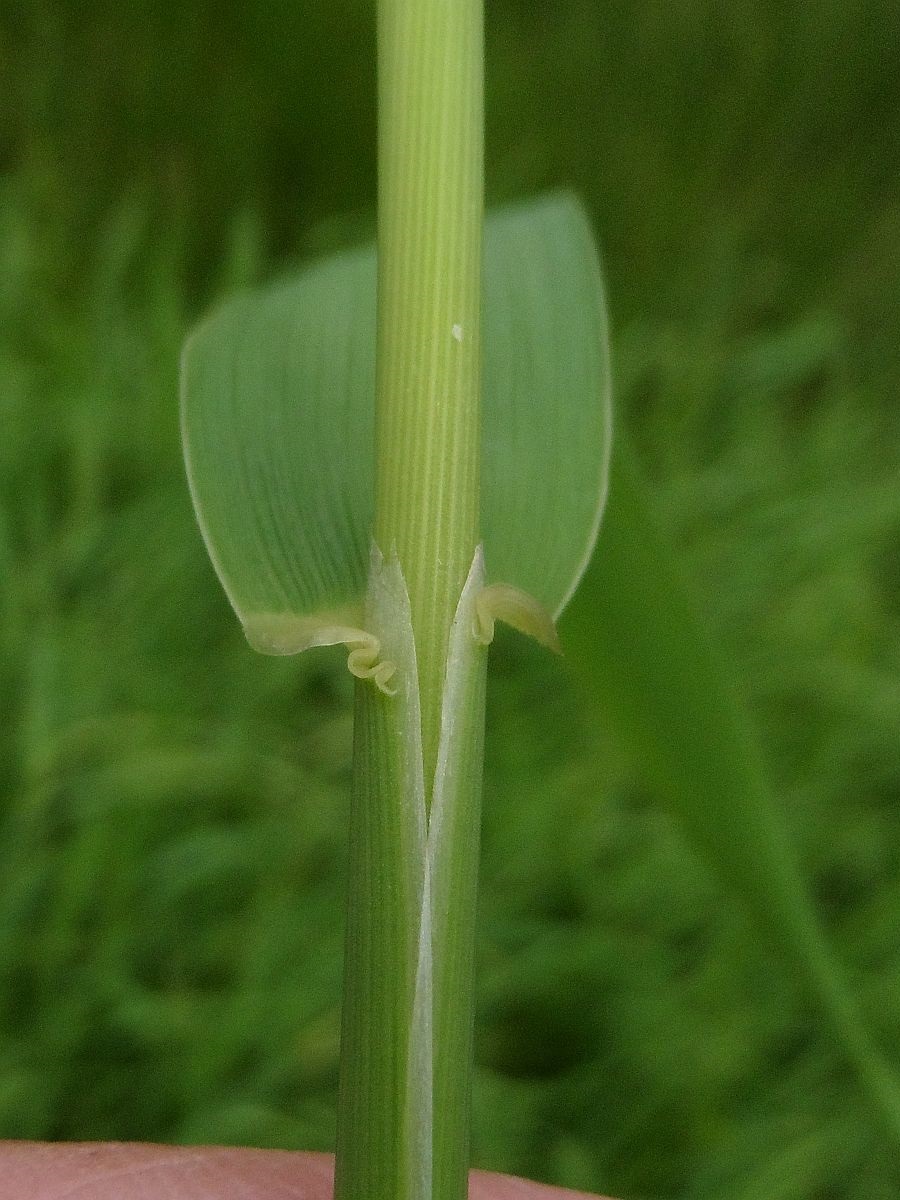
(364, 663)
(503, 602)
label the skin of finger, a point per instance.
(125, 1171)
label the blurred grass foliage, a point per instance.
(173, 808)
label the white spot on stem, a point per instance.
(457, 332)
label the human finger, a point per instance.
(132, 1171)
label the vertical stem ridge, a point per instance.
(429, 346)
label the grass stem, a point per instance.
(430, 216)
(406, 1050)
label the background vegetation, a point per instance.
(173, 808)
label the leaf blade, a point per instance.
(547, 398)
(278, 423)
(644, 657)
(277, 445)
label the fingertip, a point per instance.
(131, 1171)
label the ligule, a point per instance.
(512, 606)
(283, 634)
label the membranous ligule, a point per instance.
(287, 633)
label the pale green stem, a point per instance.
(406, 1045)
(430, 215)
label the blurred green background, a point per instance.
(173, 808)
